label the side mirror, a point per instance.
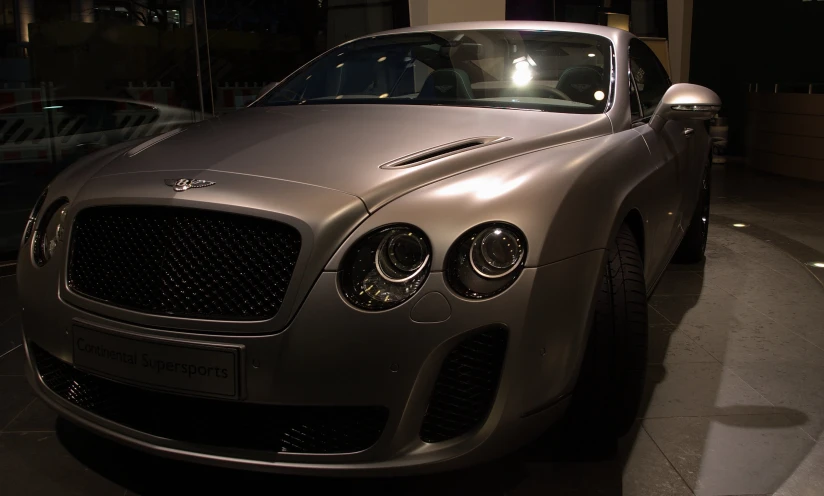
(685, 102)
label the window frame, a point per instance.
(634, 87)
(633, 94)
(610, 58)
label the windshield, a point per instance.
(551, 71)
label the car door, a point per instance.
(670, 147)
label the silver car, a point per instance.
(415, 253)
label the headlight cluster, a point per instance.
(386, 268)
(389, 265)
(485, 260)
(33, 217)
(50, 232)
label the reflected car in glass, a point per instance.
(417, 252)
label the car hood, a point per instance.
(342, 147)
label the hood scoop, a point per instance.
(441, 151)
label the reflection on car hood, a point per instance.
(342, 147)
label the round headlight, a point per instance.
(486, 260)
(33, 217)
(385, 268)
(50, 232)
(496, 252)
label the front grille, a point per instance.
(293, 429)
(466, 386)
(182, 262)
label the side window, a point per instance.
(651, 79)
(634, 107)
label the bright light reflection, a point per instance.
(599, 95)
(522, 74)
(339, 65)
(382, 59)
(739, 225)
(590, 55)
(52, 107)
(482, 188)
(819, 265)
(384, 95)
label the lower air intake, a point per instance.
(292, 429)
(466, 386)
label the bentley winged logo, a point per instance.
(184, 184)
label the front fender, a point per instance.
(567, 199)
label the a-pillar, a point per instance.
(679, 24)
(437, 11)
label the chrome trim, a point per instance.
(613, 76)
(152, 142)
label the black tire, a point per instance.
(694, 244)
(611, 381)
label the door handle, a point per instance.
(688, 131)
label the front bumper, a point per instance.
(332, 354)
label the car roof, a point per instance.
(570, 27)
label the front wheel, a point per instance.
(611, 382)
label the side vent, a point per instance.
(444, 150)
(466, 386)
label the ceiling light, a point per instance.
(522, 74)
(382, 58)
(590, 55)
(739, 225)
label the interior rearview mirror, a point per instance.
(686, 102)
(463, 51)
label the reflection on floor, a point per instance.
(735, 401)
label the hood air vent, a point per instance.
(444, 150)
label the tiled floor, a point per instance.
(735, 400)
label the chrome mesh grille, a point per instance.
(182, 262)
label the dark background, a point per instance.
(736, 43)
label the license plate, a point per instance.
(191, 368)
